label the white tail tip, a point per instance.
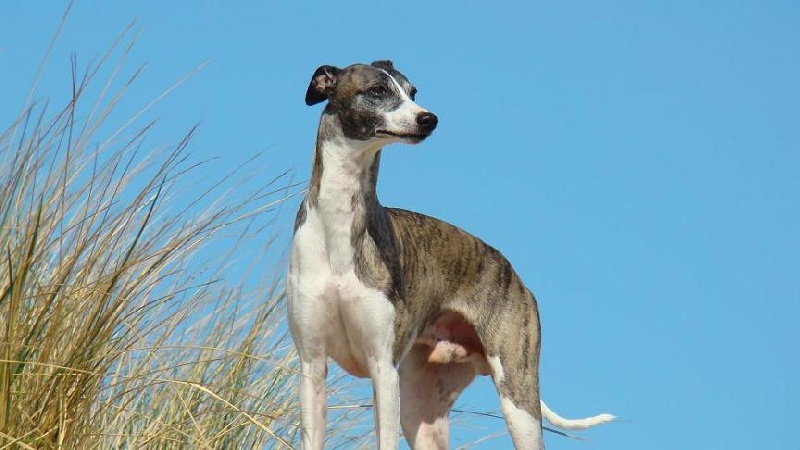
(574, 424)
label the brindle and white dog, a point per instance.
(375, 287)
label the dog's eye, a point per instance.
(377, 91)
(413, 93)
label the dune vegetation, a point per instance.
(127, 319)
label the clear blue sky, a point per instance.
(637, 162)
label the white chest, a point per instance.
(352, 321)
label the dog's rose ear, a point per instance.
(322, 83)
(384, 64)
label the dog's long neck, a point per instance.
(342, 189)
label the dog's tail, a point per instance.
(574, 424)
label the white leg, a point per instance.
(369, 318)
(305, 325)
(524, 427)
(313, 403)
(386, 390)
(526, 430)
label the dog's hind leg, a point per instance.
(427, 392)
(519, 402)
(512, 354)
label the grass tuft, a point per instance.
(126, 319)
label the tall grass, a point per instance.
(126, 320)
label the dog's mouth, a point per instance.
(409, 136)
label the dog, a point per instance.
(416, 304)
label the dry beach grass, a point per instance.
(122, 323)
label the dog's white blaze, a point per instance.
(403, 120)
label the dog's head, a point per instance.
(372, 102)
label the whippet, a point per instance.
(374, 287)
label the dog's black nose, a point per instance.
(427, 121)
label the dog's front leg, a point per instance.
(313, 402)
(370, 322)
(386, 394)
(305, 323)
